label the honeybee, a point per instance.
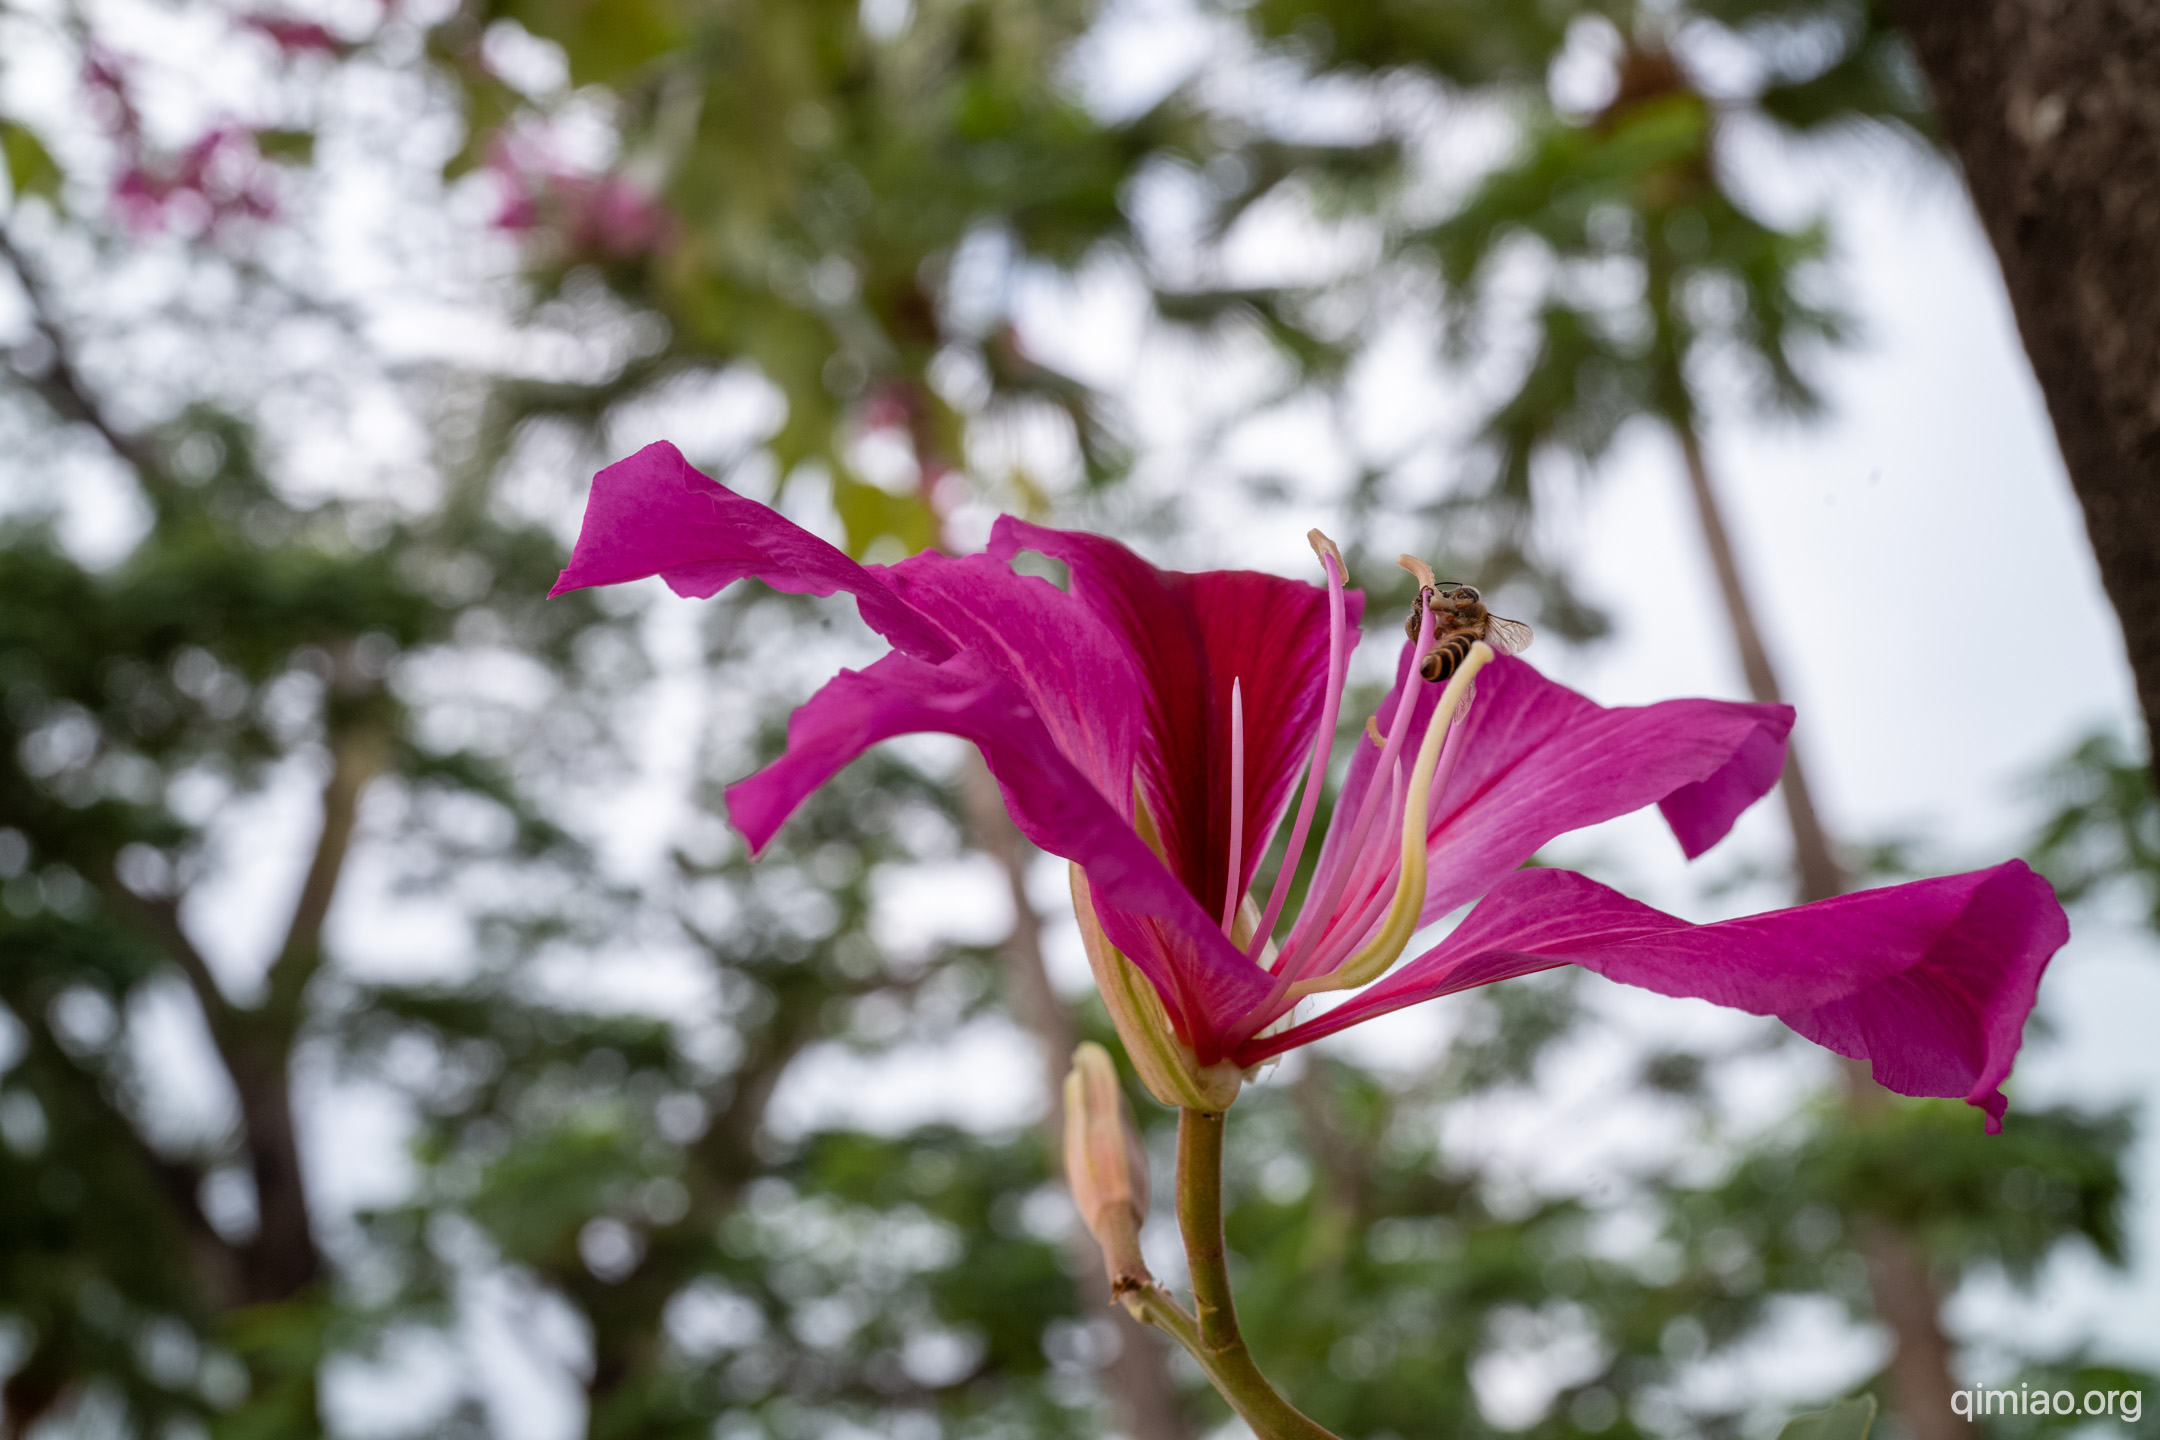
(1460, 620)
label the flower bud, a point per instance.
(1164, 1063)
(1105, 1165)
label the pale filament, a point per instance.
(1237, 805)
(1316, 773)
(1328, 885)
(1406, 907)
(1364, 905)
(1377, 882)
(1365, 898)
(1319, 907)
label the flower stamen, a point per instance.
(1237, 805)
(1318, 909)
(1323, 739)
(1386, 946)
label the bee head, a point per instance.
(1458, 596)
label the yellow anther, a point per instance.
(1324, 547)
(1372, 732)
(1386, 947)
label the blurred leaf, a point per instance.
(30, 166)
(292, 147)
(606, 41)
(872, 514)
(2104, 829)
(1846, 1420)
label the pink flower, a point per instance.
(293, 37)
(608, 216)
(1152, 727)
(216, 180)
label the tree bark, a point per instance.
(2053, 108)
(1138, 1378)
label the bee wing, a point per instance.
(1509, 637)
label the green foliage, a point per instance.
(724, 1272)
(2103, 829)
(293, 147)
(1929, 1171)
(853, 212)
(816, 185)
(1638, 281)
(31, 168)
(241, 631)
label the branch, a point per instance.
(62, 387)
(160, 916)
(357, 756)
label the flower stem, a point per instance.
(1212, 1333)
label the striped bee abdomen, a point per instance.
(1448, 654)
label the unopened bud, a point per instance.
(1164, 1063)
(1105, 1165)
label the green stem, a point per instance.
(1212, 1334)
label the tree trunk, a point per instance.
(1814, 861)
(1904, 1291)
(1139, 1377)
(2053, 106)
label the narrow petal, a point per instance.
(1076, 673)
(653, 514)
(1192, 637)
(1539, 760)
(1145, 910)
(1929, 982)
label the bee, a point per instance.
(1460, 620)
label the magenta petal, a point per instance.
(1271, 634)
(653, 514)
(1701, 814)
(1929, 982)
(1077, 674)
(1144, 909)
(1191, 637)
(1539, 760)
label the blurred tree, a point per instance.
(256, 624)
(778, 1284)
(1617, 237)
(1654, 290)
(243, 638)
(846, 199)
(847, 206)
(242, 634)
